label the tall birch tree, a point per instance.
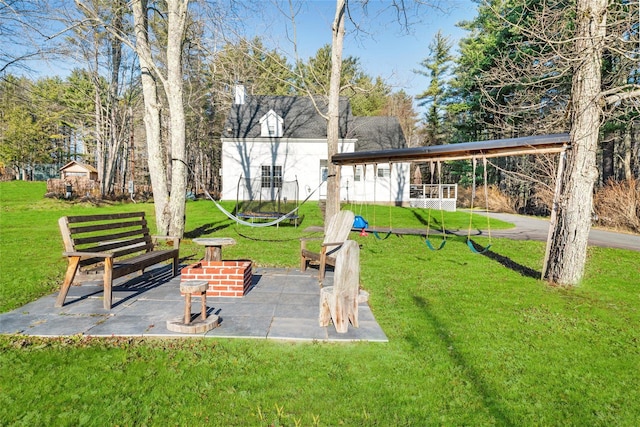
(161, 69)
(170, 204)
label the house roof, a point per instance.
(378, 133)
(302, 121)
(76, 163)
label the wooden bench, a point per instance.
(111, 245)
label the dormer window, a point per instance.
(271, 125)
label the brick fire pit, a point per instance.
(226, 278)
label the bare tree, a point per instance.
(90, 41)
(25, 34)
(170, 205)
(402, 15)
(164, 73)
(333, 110)
(567, 248)
(547, 76)
(152, 116)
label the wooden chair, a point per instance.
(340, 301)
(337, 232)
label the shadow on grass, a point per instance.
(507, 262)
(433, 222)
(480, 387)
(206, 229)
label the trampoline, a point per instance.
(261, 199)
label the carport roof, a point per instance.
(538, 144)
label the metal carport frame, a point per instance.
(539, 144)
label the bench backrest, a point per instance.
(119, 233)
(339, 227)
(346, 280)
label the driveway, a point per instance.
(532, 228)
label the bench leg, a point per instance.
(323, 264)
(108, 283)
(175, 266)
(187, 308)
(303, 259)
(203, 311)
(68, 279)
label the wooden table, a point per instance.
(213, 246)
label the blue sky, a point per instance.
(383, 48)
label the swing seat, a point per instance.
(360, 222)
(385, 237)
(430, 246)
(337, 233)
(472, 246)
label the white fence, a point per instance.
(434, 196)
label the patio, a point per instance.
(282, 304)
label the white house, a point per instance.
(284, 138)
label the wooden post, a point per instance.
(554, 209)
(108, 282)
(203, 306)
(187, 308)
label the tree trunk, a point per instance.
(155, 151)
(635, 150)
(100, 147)
(333, 125)
(608, 157)
(567, 249)
(625, 156)
(177, 16)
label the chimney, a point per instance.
(239, 94)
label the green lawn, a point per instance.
(473, 339)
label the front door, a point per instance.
(324, 172)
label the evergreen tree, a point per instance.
(435, 67)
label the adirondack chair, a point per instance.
(337, 232)
(340, 301)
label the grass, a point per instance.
(473, 340)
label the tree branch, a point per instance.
(621, 94)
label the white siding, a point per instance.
(300, 159)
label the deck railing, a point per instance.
(434, 196)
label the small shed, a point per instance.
(77, 169)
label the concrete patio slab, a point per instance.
(282, 304)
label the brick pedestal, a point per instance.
(225, 278)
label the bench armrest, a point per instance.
(305, 239)
(88, 254)
(333, 244)
(175, 240)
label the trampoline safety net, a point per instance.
(260, 198)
